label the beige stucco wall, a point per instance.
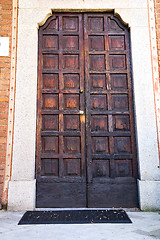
(33, 13)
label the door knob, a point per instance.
(81, 112)
(81, 90)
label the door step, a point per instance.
(63, 209)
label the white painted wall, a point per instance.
(33, 13)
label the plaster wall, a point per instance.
(33, 13)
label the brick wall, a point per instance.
(5, 31)
(157, 16)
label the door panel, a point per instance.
(85, 134)
(111, 167)
(61, 175)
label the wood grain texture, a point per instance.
(84, 66)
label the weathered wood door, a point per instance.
(85, 135)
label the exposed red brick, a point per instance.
(3, 99)
(4, 88)
(4, 82)
(5, 1)
(4, 110)
(4, 76)
(5, 12)
(157, 16)
(2, 153)
(7, 6)
(2, 140)
(2, 134)
(2, 165)
(5, 31)
(3, 122)
(1, 185)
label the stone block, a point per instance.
(21, 195)
(149, 194)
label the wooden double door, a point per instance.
(85, 153)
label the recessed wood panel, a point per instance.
(123, 168)
(114, 26)
(50, 122)
(120, 195)
(100, 145)
(121, 123)
(72, 167)
(96, 24)
(97, 62)
(53, 25)
(50, 81)
(117, 61)
(50, 61)
(50, 101)
(49, 167)
(98, 81)
(70, 42)
(71, 81)
(70, 24)
(120, 102)
(70, 62)
(96, 43)
(119, 81)
(116, 42)
(50, 144)
(71, 101)
(71, 123)
(71, 144)
(50, 42)
(122, 144)
(99, 123)
(101, 168)
(98, 102)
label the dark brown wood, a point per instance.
(73, 168)
(52, 194)
(111, 157)
(61, 174)
(109, 195)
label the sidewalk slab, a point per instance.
(145, 226)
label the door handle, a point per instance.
(81, 112)
(81, 90)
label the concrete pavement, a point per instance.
(145, 226)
